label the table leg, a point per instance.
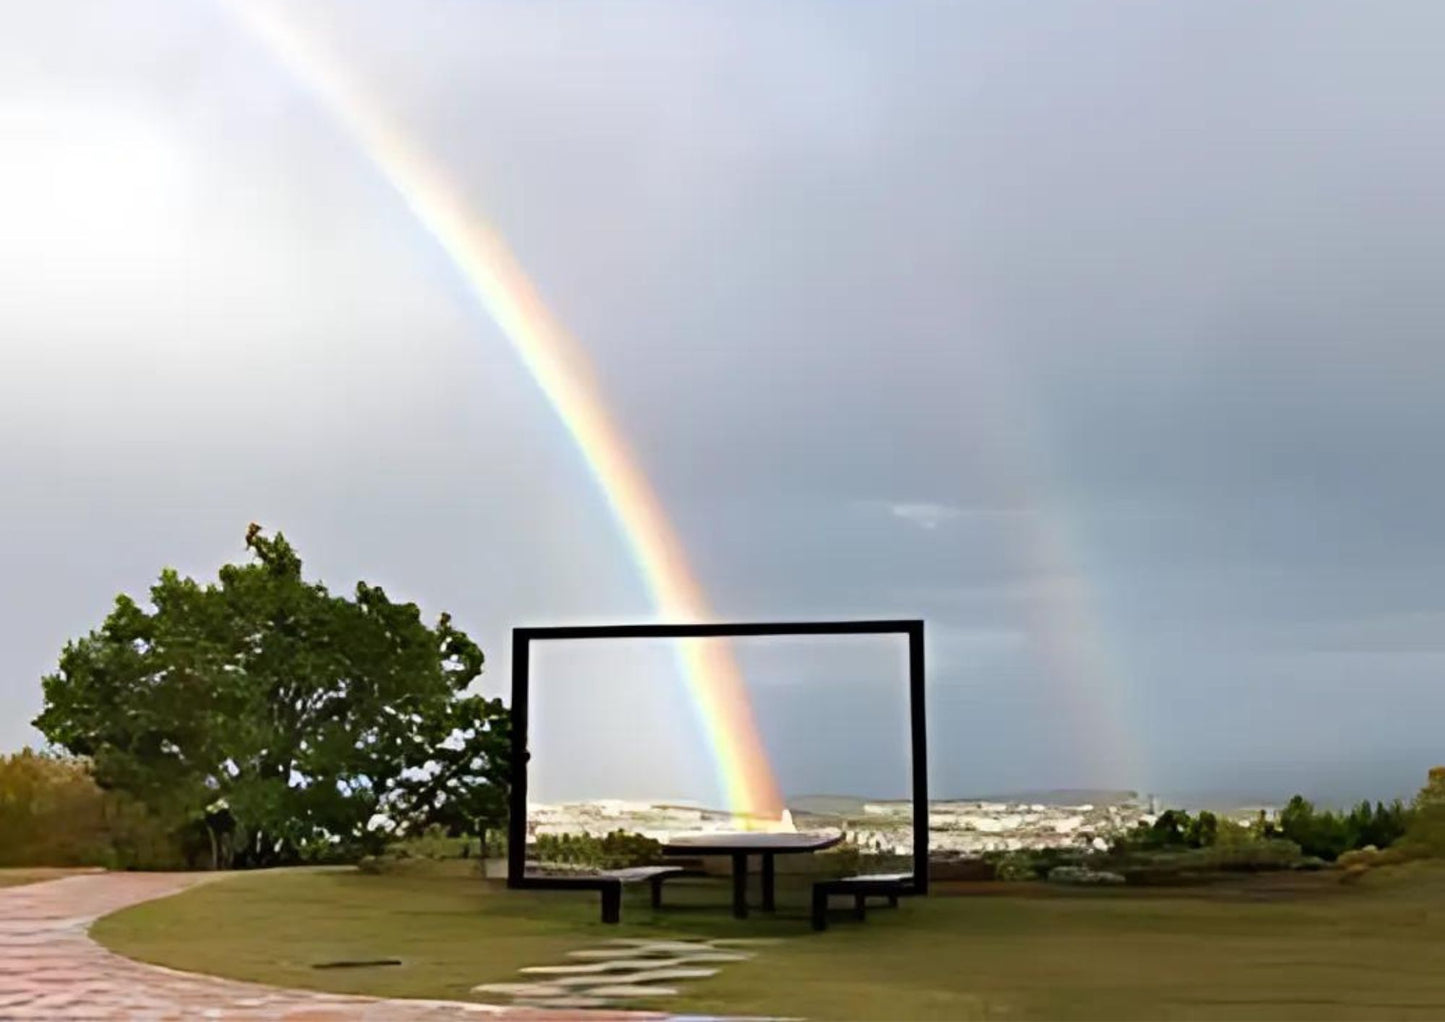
(768, 905)
(740, 885)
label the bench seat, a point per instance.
(609, 883)
(875, 885)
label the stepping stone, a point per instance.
(632, 991)
(520, 989)
(710, 956)
(666, 974)
(660, 945)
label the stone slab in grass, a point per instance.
(629, 991)
(643, 945)
(667, 974)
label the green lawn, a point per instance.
(1287, 947)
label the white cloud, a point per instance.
(923, 514)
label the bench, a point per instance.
(860, 889)
(610, 883)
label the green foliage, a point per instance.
(1173, 829)
(1329, 835)
(1245, 856)
(435, 842)
(1016, 867)
(282, 723)
(1314, 832)
(617, 850)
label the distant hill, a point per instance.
(852, 805)
(827, 805)
(1054, 797)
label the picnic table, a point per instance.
(742, 845)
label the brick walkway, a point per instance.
(51, 969)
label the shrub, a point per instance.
(1017, 866)
(1425, 827)
(1249, 856)
(52, 813)
(432, 843)
(841, 860)
(1365, 857)
(617, 850)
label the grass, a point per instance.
(1282, 947)
(28, 875)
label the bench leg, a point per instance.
(656, 892)
(893, 901)
(740, 886)
(769, 904)
(820, 908)
(860, 906)
(612, 903)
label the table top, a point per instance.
(724, 843)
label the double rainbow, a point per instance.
(562, 370)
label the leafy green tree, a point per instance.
(1202, 831)
(1328, 834)
(1169, 829)
(287, 722)
(1390, 824)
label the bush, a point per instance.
(1425, 835)
(1193, 865)
(1016, 867)
(432, 843)
(617, 850)
(1252, 856)
(52, 813)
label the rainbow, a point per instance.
(562, 369)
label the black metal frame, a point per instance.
(522, 638)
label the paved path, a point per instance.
(51, 969)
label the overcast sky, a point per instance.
(1107, 337)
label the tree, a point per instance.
(1203, 830)
(287, 722)
(1330, 834)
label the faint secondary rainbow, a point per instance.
(561, 368)
(1062, 599)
